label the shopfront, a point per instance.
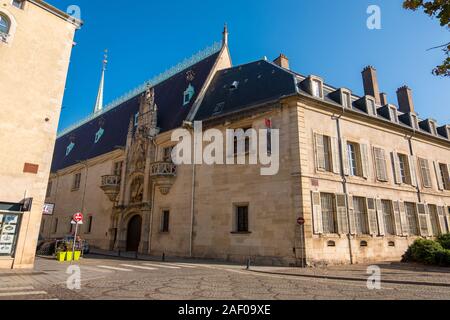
(10, 219)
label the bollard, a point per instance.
(248, 264)
(164, 257)
(136, 255)
(118, 252)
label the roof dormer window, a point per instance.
(317, 88)
(433, 128)
(18, 4)
(371, 107)
(234, 85)
(414, 122)
(188, 94)
(346, 100)
(393, 115)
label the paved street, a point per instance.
(114, 278)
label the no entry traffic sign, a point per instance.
(78, 217)
(301, 221)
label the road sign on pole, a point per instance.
(78, 219)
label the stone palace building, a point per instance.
(366, 176)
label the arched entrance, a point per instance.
(134, 233)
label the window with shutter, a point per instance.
(328, 208)
(380, 217)
(443, 226)
(445, 175)
(397, 168)
(389, 221)
(362, 223)
(372, 216)
(422, 218)
(434, 219)
(355, 162)
(335, 155)
(364, 149)
(412, 171)
(404, 219)
(351, 213)
(341, 209)
(317, 212)
(345, 157)
(425, 173)
(411, 214)
(380, 164)
(397, 218)
(437, 170)
(324, 149)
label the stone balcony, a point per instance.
(164, 175)
(111, 186)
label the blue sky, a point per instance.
(321, 37)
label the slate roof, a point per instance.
(171, 114)
(244, 86)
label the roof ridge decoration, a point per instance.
(185, 64)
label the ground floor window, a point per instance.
(412, 218)
(242, 219)
(434, 218)
(362, 224)
(328, 213)
(388, 217)
(9, 232)
(165, 221)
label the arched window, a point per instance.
(4, 24)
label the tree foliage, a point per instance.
(439, 9)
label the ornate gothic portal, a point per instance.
(134, 199)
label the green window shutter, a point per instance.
(404, 219)
(380, 216)
(351, 212)
(372, 216)
(317, 213)
(341, 210)
(365, 160)
(335, 155)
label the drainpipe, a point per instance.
(344, 181)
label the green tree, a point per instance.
(439, 9)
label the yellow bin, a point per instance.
(61, 256)
(69, 256)
(77, 255)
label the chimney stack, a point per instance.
(383, 99)
(405, 99)
(370, 82)
(282, 61)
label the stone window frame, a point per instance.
(12, 27)
(310, 81)
(76, 182)
(162, 229)
(342, 95)
(235, 228)
(393, 113)
(21, 4)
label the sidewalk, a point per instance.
(395, 273)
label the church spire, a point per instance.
(99, 103)
(225, 35)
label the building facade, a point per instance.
(32, 81)
(366, 177)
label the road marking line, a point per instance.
(95, 269)
(29, 293)
(16, 288)
(115, 268)
(160, 266)
(182, 265)
(137, 267)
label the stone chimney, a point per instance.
(370, 82)
(405, 99)
(383, 99)
(282, 61)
